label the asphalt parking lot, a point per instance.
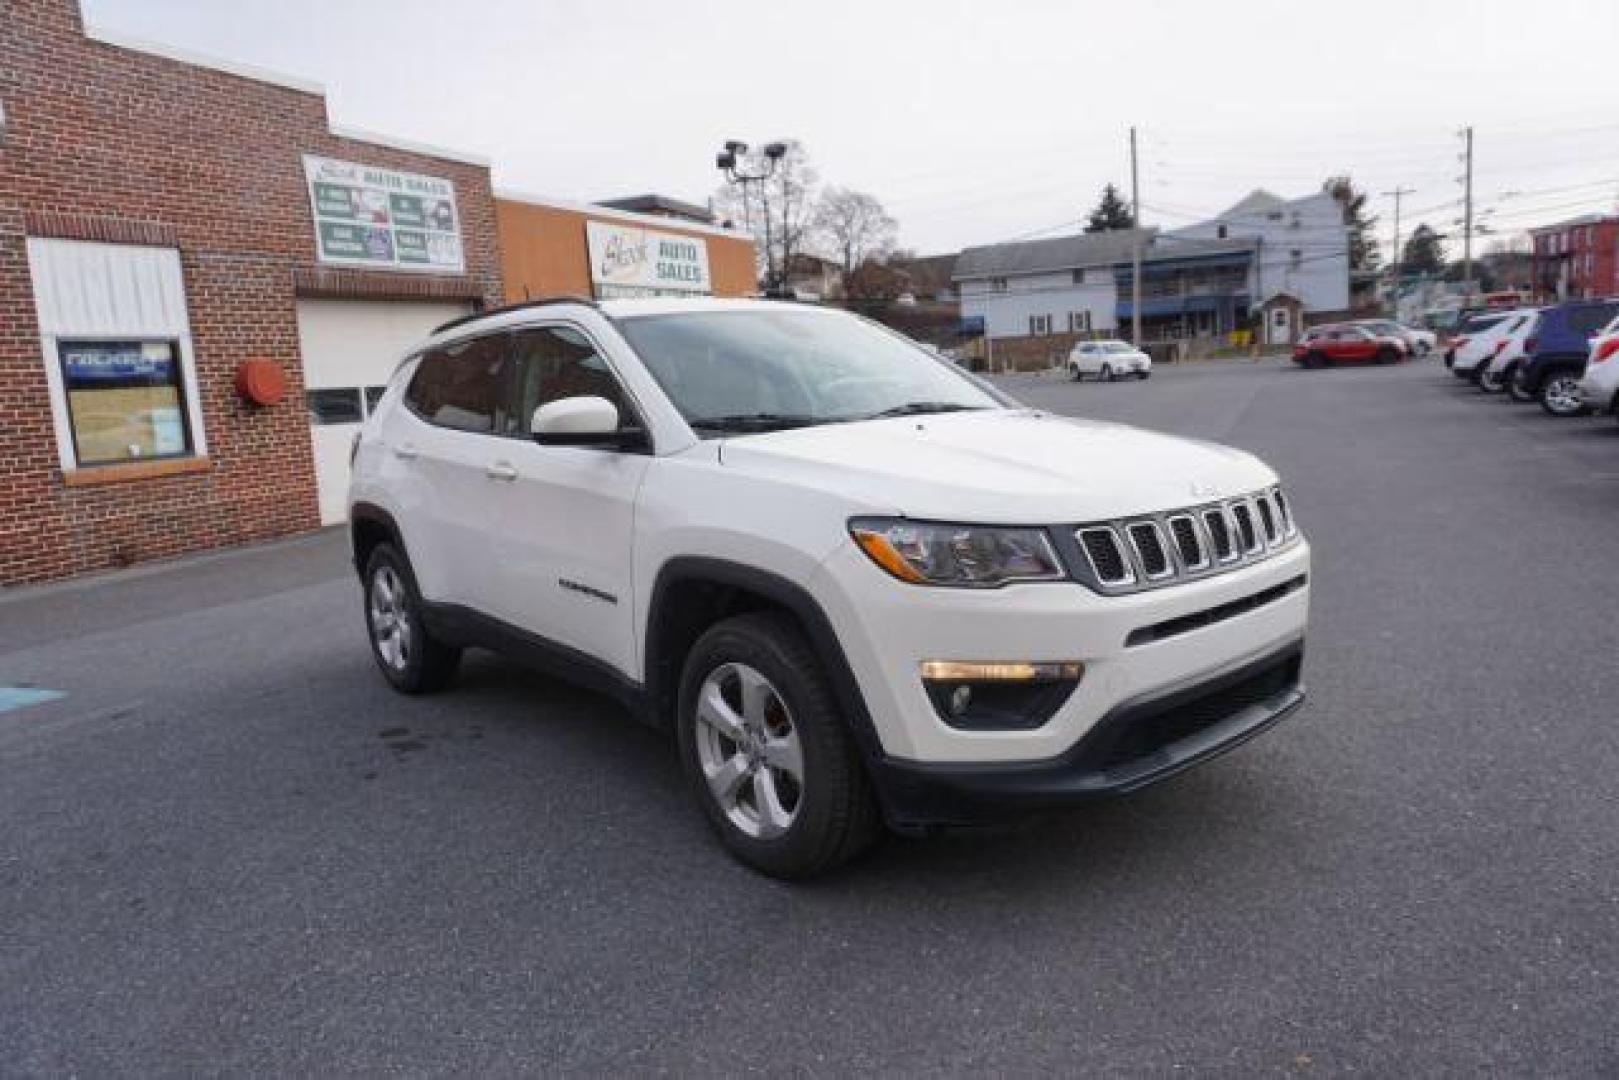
(229, 848)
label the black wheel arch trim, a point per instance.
(662, 668)
(370, 513)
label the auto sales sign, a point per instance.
(630, 261)
(383, 218)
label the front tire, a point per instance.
(1560, 394)
(1387, 356)
(768, 752)
(1107, 372)
(411, 659)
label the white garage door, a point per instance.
(350, 348)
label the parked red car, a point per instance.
(1341, 343)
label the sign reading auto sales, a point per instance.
(382, 218)
(630, 261)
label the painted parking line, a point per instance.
(20, 697)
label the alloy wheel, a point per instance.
(1562, 395)
(390, 625)
(749, 751)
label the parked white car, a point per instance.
(1417, 342)
(1108, 360)
(1599, 386)
(860, 585)
(1473, 353)
(1501, 369)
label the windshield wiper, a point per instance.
(919, 408)
(762, 421)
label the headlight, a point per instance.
(967, 556)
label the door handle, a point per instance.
(405, 450)
(499, 470)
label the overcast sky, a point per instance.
(972, 122)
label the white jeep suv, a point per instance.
(859, 585)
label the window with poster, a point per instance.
(125, 400)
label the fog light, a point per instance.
(1000, 695)
(961, 698)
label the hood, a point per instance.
(1008, 466)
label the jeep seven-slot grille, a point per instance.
(1150, 551)
(1106, 555)
(1219, 527)
(1161, 549)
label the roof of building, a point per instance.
(1257, 201)
(1110, 248)
(660, 204)
(1583, 219)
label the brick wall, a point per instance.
(108, 143)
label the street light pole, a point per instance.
(1135, 247)
(1394, 290)
(726, 162)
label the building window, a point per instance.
(342, 404)
(1079, 322)
(124, 400)
(116, 346)
(1039, 324)
(997, 284)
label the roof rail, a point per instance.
(474, 316)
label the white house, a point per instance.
(1038, 287)
(1302, 245)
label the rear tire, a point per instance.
(411, 659)
(1313, 359)
(1387, 356)
(1560, 394)
(768, 752)
(1516, 389)
(1495, 383)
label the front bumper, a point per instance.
(1139, 742)
(1134, 646)
(1600, 394)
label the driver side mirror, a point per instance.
(584, 421)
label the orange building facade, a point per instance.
(554, 248)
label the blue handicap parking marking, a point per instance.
(20, 697)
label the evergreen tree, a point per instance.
(1423, 253)
(1111, 213)
(1363, 253)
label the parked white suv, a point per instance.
(1108, 360)
(1474, 353)
(1500, 371)
(1599, 386)
(859, 584)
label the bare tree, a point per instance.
(778, 212)
(856, 225)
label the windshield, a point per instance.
(761, 370)
(1120, 347)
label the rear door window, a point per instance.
(461, 386)
(1584, 321)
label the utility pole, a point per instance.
(1467, 214)
(1394, 291)
(1135, 247)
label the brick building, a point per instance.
(1576, 259)
(163, 222)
